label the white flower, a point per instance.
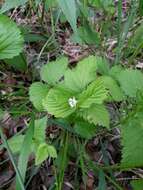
(72, 102)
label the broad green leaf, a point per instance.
(114, 91)
(11, 41)
(78, 78)
(132, 141)
(131, 81)
(84, 129)
(41, 154)
(96, 114)
(15, 143)
(10, 4)
(53, 71)
(137, 184)
(52, 151)
(44, 151)
(18, 62)
(40, 129)
(37, 93)
(57, 102)
(69, 10)
(94, 94)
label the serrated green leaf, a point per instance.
(94, 94)
(53, 71)
(114, 91)
(96, 114)
(69, 10)
(40, 129)
(52, 151)
(131, 81)
(11, 41)
(37, 93)
(56, 102)
(10, 4)
(132, 141)
(137, 184)
(78, 78)
(84, 129)
(41, 154)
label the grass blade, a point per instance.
(19, 178)
(25, 152)
(126, 28)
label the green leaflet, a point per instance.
(10, 4)
(94, 94)
(96, 114)
(78, 78)
(84, 129)
(114, 91)
(37, 93)
(132, 141)
(130, 81)
(53, 71)
(43, 152)
(11, 41)
(57, 102)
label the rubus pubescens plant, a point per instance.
(80, 96)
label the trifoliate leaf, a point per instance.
(39, 131)
(53, 71)
(114, 91)
(96, 114)
(137, 184)
(37, 93)
(57, 102)
(94, 94)
(78, 78)
(131, 81)
(41, 154)
(84, 129)
(11, 40)
(132, 141)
